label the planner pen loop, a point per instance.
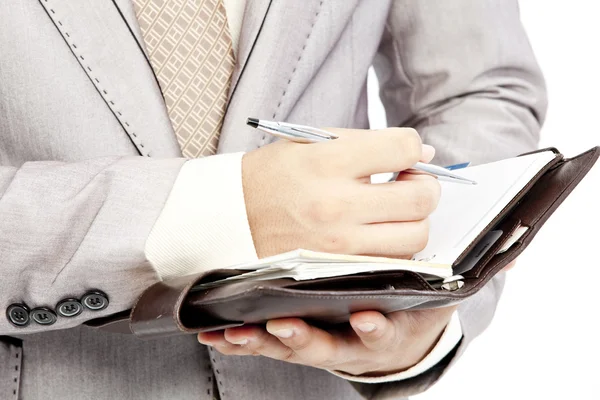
(308, 134)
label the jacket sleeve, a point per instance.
(70, 228)
(463, 74)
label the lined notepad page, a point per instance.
(464, 210)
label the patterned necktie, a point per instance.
(189, 45)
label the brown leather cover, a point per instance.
(172, 307)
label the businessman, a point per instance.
(125, 160)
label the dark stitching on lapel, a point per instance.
(248, 58)
(66, 35)
(262, 141)
(139, 47)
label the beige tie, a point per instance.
(189, 45)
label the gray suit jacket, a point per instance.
(88, 157)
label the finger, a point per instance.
(374, 330)
(311, 346)
(258, 341)
(408, 200)
(217, 341)
(428, 153)
(414, 175)
(392, 239)
(364, 153)
(211, 338)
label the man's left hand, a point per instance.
(373, 344)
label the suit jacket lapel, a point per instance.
(279, 62)
(255, 14)
(100, 38)
(268, 51)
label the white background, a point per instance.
(544, 342)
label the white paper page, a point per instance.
(305, 264)
(465, 210)
(314, 270)
(301, 256)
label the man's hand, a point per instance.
(373, 345)
(319, 197)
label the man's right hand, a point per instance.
(319, 196)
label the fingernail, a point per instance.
(284, 333)
(428, 152)
(242, 342)
(367, 327)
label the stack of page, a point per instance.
(464, 212)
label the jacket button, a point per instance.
(18, 315)
(69, 308)
(95, 300)
(43, 316)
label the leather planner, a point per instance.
(477, 247)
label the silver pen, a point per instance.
(307, 134)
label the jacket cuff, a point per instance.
(447, 342)
(203, 225)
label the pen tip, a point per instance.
(253, 122)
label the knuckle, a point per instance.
(327, 358)
(325, 211)
(341, 161)
(427, 196)
(322, 162)
(258, 346)
(378, 340)
(288, 356)
(381, 336)
(422, 204)
(421, 236)
(409, 141)
(300, 343)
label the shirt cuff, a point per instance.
(203, 225)
(447, 342)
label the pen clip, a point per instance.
(319, 133)
(288, 134)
